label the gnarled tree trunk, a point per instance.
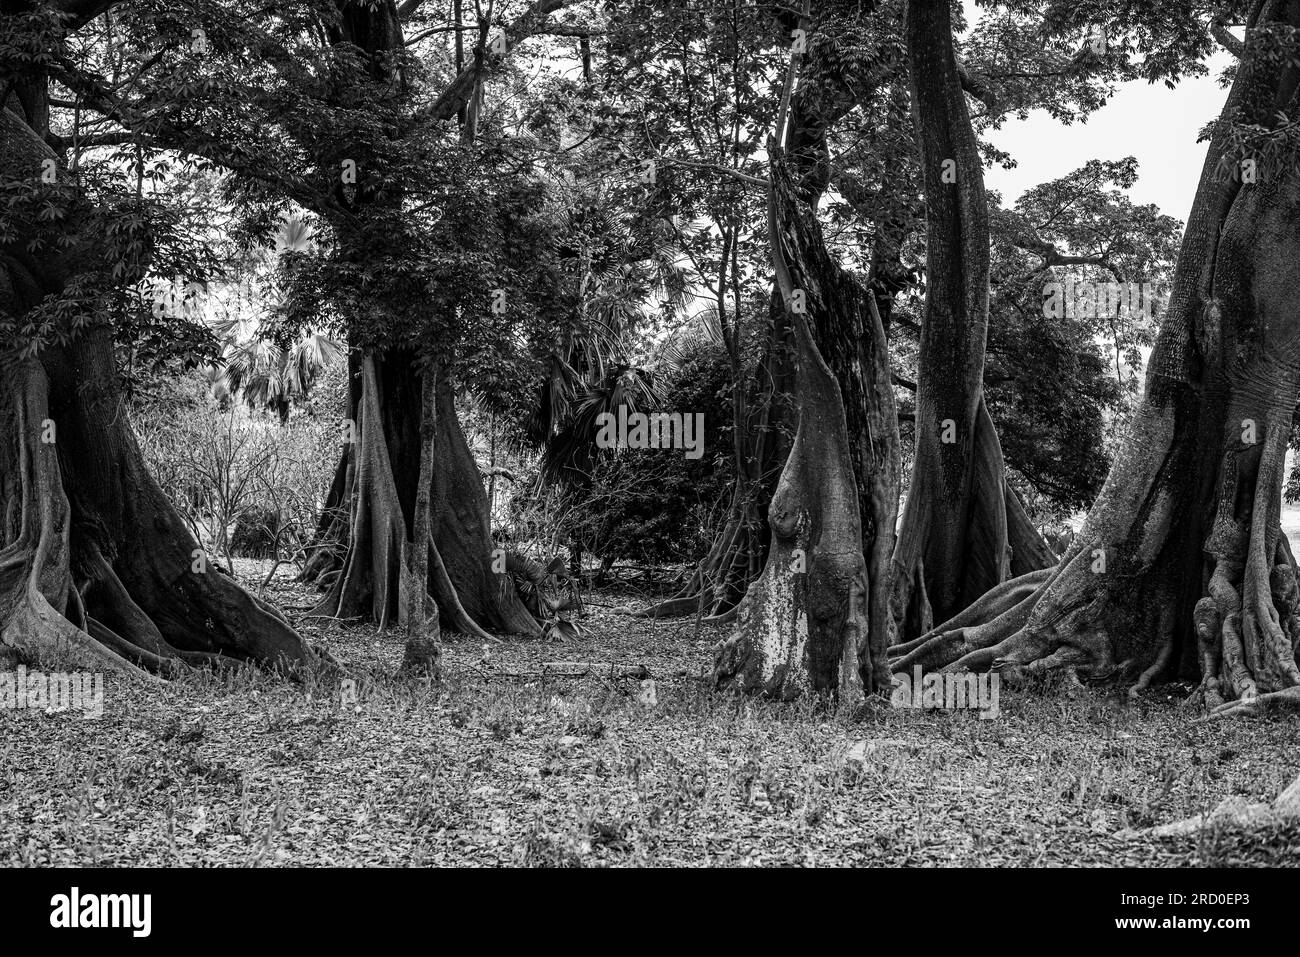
(803, 626)
(96, 565)
(1182, 564)
(470, 595)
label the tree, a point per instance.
(375, 498)
(1075, 263)
(95, 563)
(963, 529)
(817, 619)
(1181, 566)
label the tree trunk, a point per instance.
(850, 334)
(96, 565)
(803, 625)
(954, 541)
(421, 627)
(847, 339)
(1182, 564)
(469, 594)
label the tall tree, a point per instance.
(818, 617)
(374, 499)
(1181, 566)
(95, 563)
(963, 529)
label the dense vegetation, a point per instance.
(456, 312)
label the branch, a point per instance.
(716, 168)
(571, 30)
(81, 12)
(91, 140)
(529, 23)
(96, 95)
(977, 86)
(1052, 256)
(1226, 40)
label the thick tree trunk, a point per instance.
(462, 534)
(95, 562)
(850, 628)
(1182, 560)
(386, 398)
(99, 563)
(954, 543)
(803, 625)
(471, 597)
(850, 334)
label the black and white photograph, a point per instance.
(650, 435)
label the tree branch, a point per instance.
(1226, 40)
(978, 86)
(91, 140)
(96, 95)
(529, 23)
(81, 12)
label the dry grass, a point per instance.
(496, 768)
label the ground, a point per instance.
(505, 765)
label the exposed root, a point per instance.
(719, 581)
(1081, 614)
(62, 601)
(1288, 699)
(991, 618)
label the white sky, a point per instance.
(1154, 123)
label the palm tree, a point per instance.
(268, 376)
(620, 272)
(261, 372)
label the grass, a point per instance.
(504, 764)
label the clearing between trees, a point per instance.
(509, 762)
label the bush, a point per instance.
(652, 506)
(238, 477)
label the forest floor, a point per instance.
(507, 762)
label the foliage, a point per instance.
(222, 467)
(655, 505)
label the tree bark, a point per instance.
(954, 541)
(803, 625)
(421, 627)
(1181, 565)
